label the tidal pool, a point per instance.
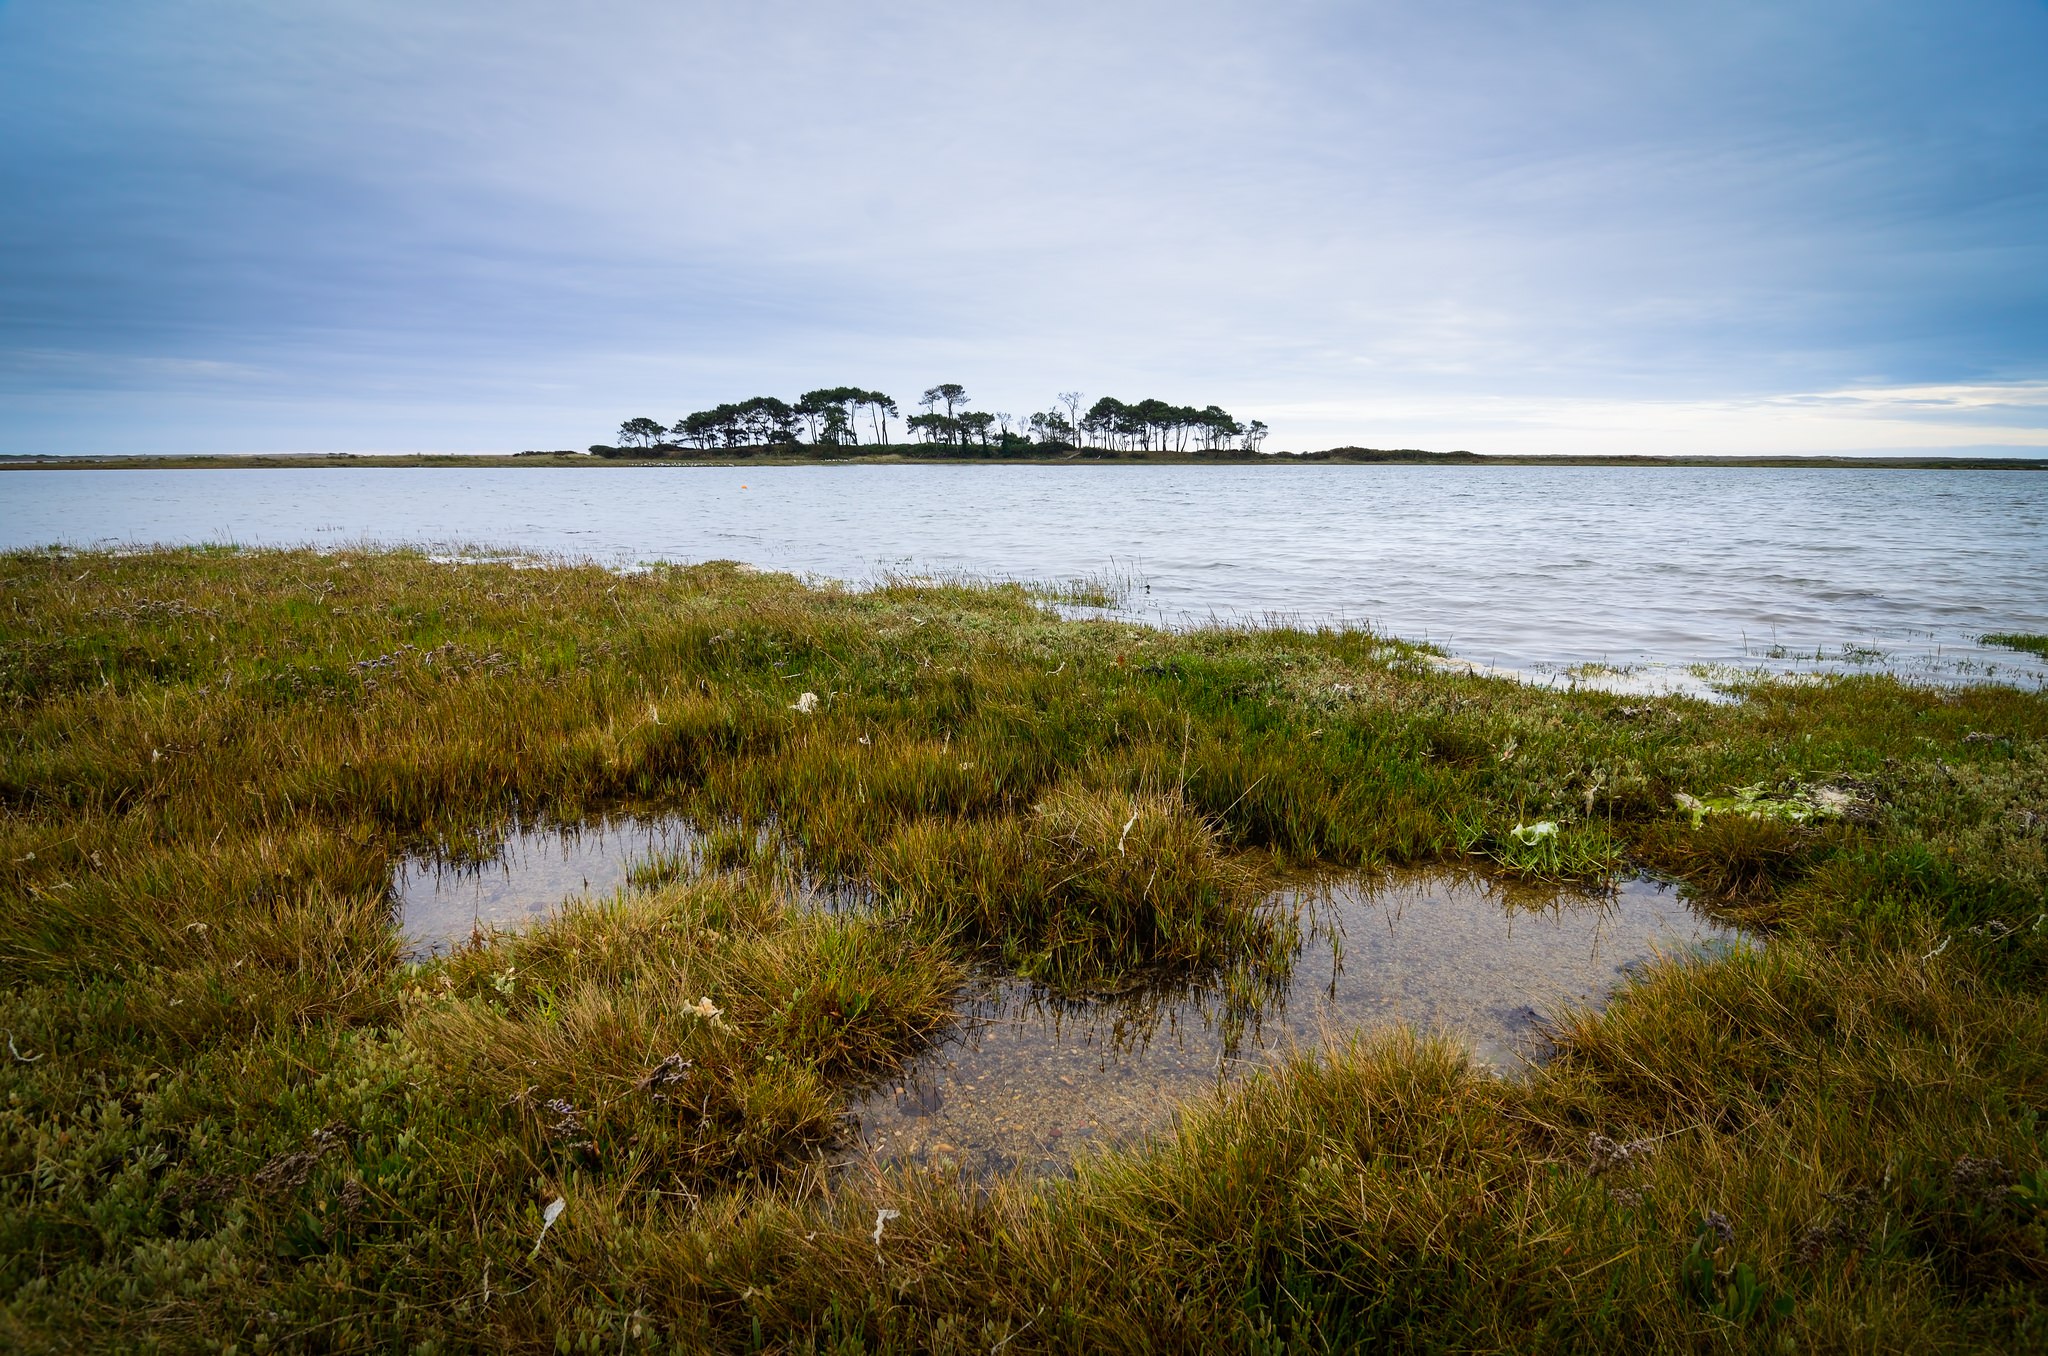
(441, 903)
(1027, 1078)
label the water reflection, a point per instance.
(441, 903)
(1027, 1078)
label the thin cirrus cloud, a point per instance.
(237, 226)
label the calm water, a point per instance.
(528, 875)
(1026, 1078)
(1533, 569)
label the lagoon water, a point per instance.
(1534, 569)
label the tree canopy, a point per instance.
(1155, 425)
(851, 416)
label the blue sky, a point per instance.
(241, 225)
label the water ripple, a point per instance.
(1519, 567)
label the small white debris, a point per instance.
(1528, 835)
(805, 704)
(1126, 834)
(19, 1057)
(547, 1222)
(882, 1217)
(1937, 950)
(1831, 800)
(1606, 1153)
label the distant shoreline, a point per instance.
(919, 456)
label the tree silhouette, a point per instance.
(976, 423)
(1071, 400)
(830, 417)
(949, 393)
(1051, 428)
(836, 430)
(880, 408)
(641, 432)
(934, 427)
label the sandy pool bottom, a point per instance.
(1028, 1079)
(1025, 1078)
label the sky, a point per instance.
(1509, 227)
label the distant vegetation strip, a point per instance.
(806, 454)
(2010, 640)
(833, 418)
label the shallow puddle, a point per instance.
(1027, 1079)
(442, 903)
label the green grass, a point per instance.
(234, 1116)
(2011, 640)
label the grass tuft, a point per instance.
(1088, 883)
(2011, 640)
